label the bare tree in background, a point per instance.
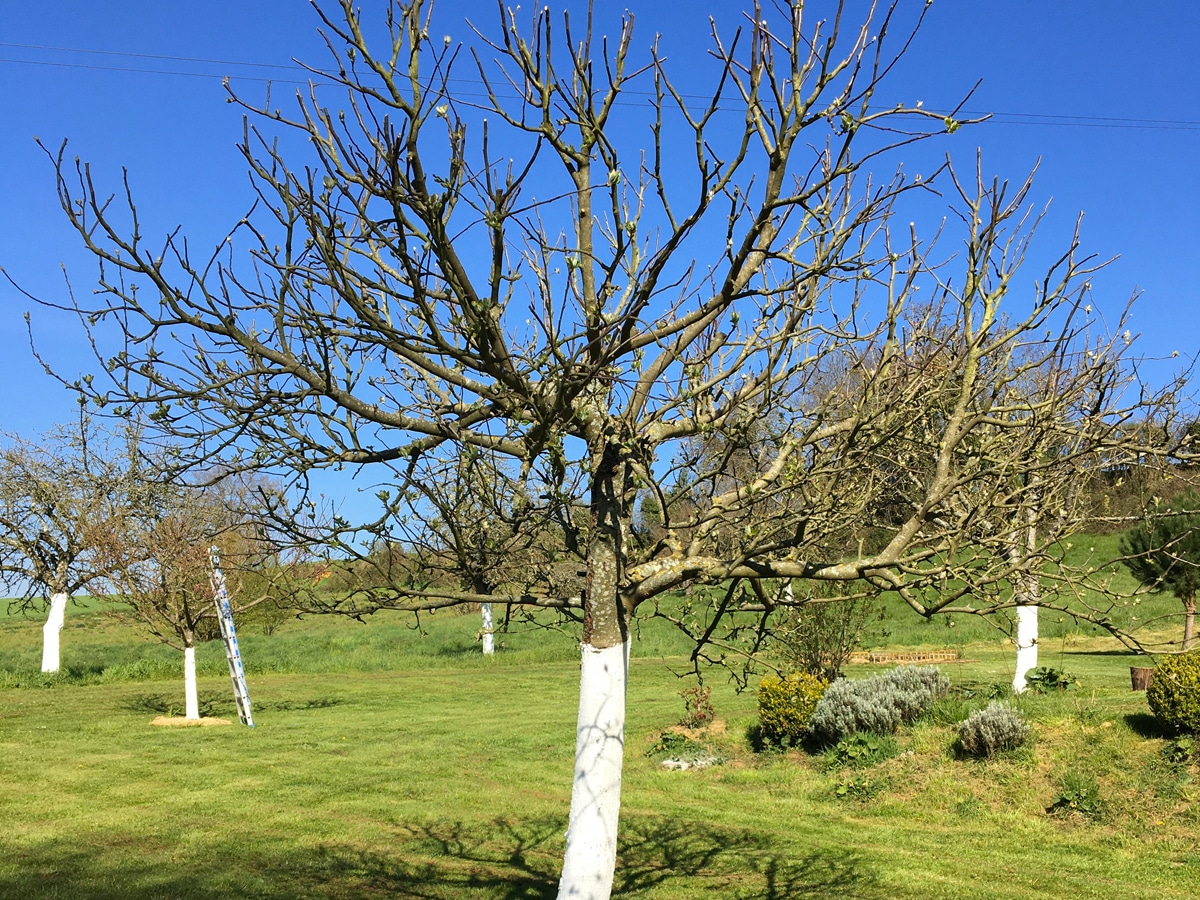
(483, 528)
(540, 281)
(160, 566)
(61, 495)
(464, 530)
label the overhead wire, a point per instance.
(995, 117)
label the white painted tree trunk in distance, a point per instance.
(191, 696)
(489, 640)
(51, 632)
(1027, 641)
(591, 857)
(1028, 592)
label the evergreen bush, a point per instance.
(1174, 694)
(879, 704)
(784, 707)
(994, 729)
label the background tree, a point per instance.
(1164, 554)
(496, 538)
(549, 283)
(1011, 424)
(160, 566)
(458, 529)
(61, 496)
(818, 637)
(464, 529)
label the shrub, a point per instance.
(880, 704)
(698, 710)
(1174, 694)
(818, 637)
(784, 706)
(919, 688)
(994, 729)
(850, 706)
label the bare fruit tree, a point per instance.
(471, 522)
(61, 495)
(160, 565)
(575, 262)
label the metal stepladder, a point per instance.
(234, 657)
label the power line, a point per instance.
(997, 117)
(142, 71)
(193, 59)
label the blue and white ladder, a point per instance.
(225, 616)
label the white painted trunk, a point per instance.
(1028, 592)
(489, 640)
(191, 698)
(51, 631)
(591, 857)
(1027, 645)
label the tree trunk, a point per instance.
(1027, 645)
(191, 696)
(1141, 677)
(52, 630)
(1189, 621)
(1027, 591)
(591, 856)
(489, 641)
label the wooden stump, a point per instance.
(1141, 676)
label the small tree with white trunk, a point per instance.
(160, 567)
(61, 496)
(466, 526)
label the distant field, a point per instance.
(391, 762)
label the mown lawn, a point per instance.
(388, 762)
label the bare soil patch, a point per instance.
(181, 722)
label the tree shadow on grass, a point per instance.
(521, 861)
(220, 703)
(1146, 725)
(298, 705)
(62, 869)
(733, 862)
(210, 703)
(441, 860)
(445, 860)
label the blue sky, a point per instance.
(1103, 92)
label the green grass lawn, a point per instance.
(392, 762)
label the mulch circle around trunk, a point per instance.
(181, 722)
